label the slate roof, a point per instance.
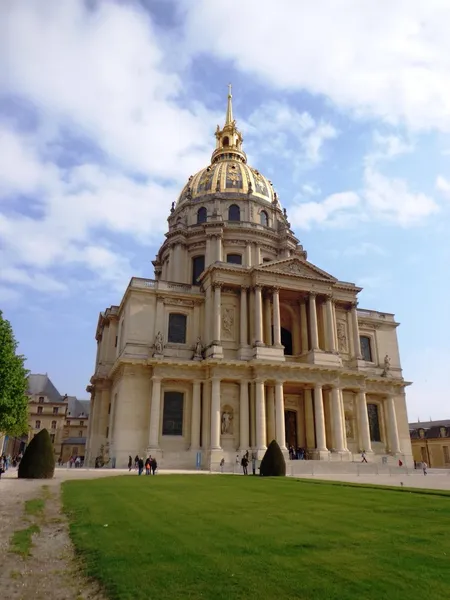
(429, 424)
(74, 440)
(77, 407)
(42, 385)
(431, 429)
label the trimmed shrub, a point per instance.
(38, 462)
(273, 463)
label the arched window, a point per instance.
(226, 142)
(366, 349)
(38, 425)
(177, 328)
(374, 422)
(201, 215)
(234, 213)
(41, 399)
(198, 266)
(235, 259)
(264, 218)
(173, 413)
(53, 424)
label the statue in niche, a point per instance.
(198, 352)
(342, 337)
(228, 322)
(348, 427)
(227, 422)
(387, 366)
(159, 344)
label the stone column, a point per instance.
(279, 415)
(258, 316)
(208, 260)
(244, 421)
(336, 415)
(215, 414)
(260, 416)
(394, 442)
(217, 321)
(256, 254)
(321, 445)
(219, 253)
(155, 412)
(267, 321)
(270, 404)
(331, 337)
(314, 330)
(243, 318)
(304, 326)
(344, 428)
(296, 342)
(355, 332)
(207, 314)
(248, 255)
(309, 420)
(111, 424)
(159, 319)
(276, 318)
(363, 422)
(195, 415)
(206, 414)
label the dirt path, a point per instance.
(51, 571)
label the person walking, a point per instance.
(244, 463)
(424, 468)
(130, 462)
(154, 465)
(363, 456)
(140, 465)
(148, 465)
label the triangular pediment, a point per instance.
(296, 267)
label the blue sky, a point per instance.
(106, 108)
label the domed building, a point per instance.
(239, 340)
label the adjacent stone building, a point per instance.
(239, 339)
(430, 442)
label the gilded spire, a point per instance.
(229, 118)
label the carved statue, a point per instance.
(342, 337)
(159, 344)
(348, 427)
(228, 322)
(198, 352)
(173, 207)
(387, 366)
(227, 422)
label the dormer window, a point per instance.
(201, 215)
(264, 218)
(234, 213)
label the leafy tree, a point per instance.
(38, 462)
(13, 384)
(273, 463)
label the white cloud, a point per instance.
(277, 129)
(35, 281)
(443, 185)
(395, 67)
(387, 147)
(333, 211)
(364, 249)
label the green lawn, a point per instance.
(229, 538)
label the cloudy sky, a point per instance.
(106, 108)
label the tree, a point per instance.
(13, 384)
(273, 463)
(38, 462)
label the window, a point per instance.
(39, 410)
(201, 215)
(366, 349)
(266, 260)
(263, 218)
(234, 213)
(198, 266)
(55, 410)
(226, 142)
(235, 259)
(173, 413)
(177, 328)
(38, 425)
(80, 434)
(81, 423)
(52, 437)
(41, 399)
(53, 424)
(374, 422)
(446, 454)
(107, 432)
(115, 343)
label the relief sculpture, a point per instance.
(342, 337)
(228, 323)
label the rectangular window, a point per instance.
(39, 411)
(80, 434)
(446, 455)
(52, 437)
(53, 424)
(81, 423)
(38, 425)
(177, 328)
(198, 266)
(374, 422)
(234, 259)
(55, 410)
(107, 433)
(366, 349)
(109, 408)
(41, 399)
(173, 413)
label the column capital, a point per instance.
(259, 380)
(217, 284)
(258, 286)
(244, 288)
(353, 305)
(275, 289)
(312, 294)
(157, 378)
(318, 386)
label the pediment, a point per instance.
(297, 268)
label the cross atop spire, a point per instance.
(229, 117)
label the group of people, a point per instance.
(299, 454)
(7, 461)
(149, 464)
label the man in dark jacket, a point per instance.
(140, 466)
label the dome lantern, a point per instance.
(229, 138)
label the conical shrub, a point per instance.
(273, 463)
(38, 462)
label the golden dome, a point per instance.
(228, 172)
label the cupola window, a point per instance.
(234, 213)
(226, 142)
(366, 349)
(263, 218)
(198, 266)
(235, 259)
(201, 215)
(177, 328)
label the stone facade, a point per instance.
(239, 339)
(431, 443)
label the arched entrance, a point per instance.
(286, 340)
(290, 425)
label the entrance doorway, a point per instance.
(290, 423)
(286, 340)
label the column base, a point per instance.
(214, 351)
(357, 363)
(268, 353)
(260, 453)
(320, 454)
(215, 456)
(320, 357)
(342, 455)
(245, 353)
